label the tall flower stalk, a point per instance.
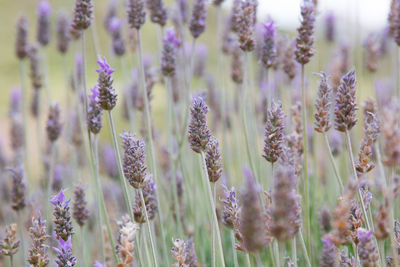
(304, 51)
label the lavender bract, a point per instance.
(62, 217)
(198, 134)
(107, 97)
(274, 133)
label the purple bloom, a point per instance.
(60, 198)
(43, 30)
(170, 37)
(15, 100)
(62, 216)
(115, 25)
(269, 28)
(170, 43)
(98, 264)
(95, 113)
(198, 21)
(44, 8)
(104, 66)
(64, 250)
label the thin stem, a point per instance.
(94, 37)
(213, 211)
(150, 138)
(382, 252)
(213, 231)
(103, 214)
(393, 243)
(303, 245)
(380, 165)
(83, 246)
(119, 165)
(148, 227)
(11, 261)
(21, 233)
(305, 153)
(281, 246)
(355, 254)
(258, 260)
(248, 260)
(339, 180)
(277, 256)
(269, 95)
(24, 109)
(397, 48)
(50, 178)
(294, 252)
(84, 71)
(235, 258)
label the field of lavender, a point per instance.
(197, 133)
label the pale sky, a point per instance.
(372, 13)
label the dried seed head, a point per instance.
(382, 228)
(43, 16)
(136, 13)
(126, 242)
(134, 162)
(83, 15)
(21, 42)
(367, 250)
(323, 106)
(329, 254)
(54, 125)
(365, 163)
(62, 217)
(330, 27)
(158, 13)
(18, 189)
(63, 33)
(269, 54)
(95, 113)
(252, 225)
(198, 20)
(286, 209)
(245, 25)
(9, 245)
(274, 132)
(107, 96)
(346, 105)
(184, 253)
(64, 251)
(168, 60)
(80, 211)
(305, 39)
(38, 252)
(199, 134)
(213, 160)
(150, 200)
(35, 73)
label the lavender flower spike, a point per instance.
(346, 106)
(329, 255)
(198, 21)
(158, 13)
(21, 42)
(214, 160)
(83, 15)
(54, 125)
(62, 216)
(107, 96)
(115, 29)
(38, 253)
(368, 251)
(18, 189)
(43, 30)
(323, 106)
(168, 60)
(98, 264)
(95, 113)
(63, 34)
(274, 133)
(305, 40)
(80, 211)
(199, 134)
(136, 13)
(245, 24)
(64, 250)
(269, 55)
(134, 162)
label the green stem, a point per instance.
(103, 214)
(11, 261)
(213, 211)
(50, 178)
(148, 228)
(303, 245)
(258, 260)
(150, 138)
(83, 246)
(24, 111)
(305, 167)
(335, 169)
(213, 232)
(235, 258)
(281, 246)
(294, 251)
(119, 165)
(21, 233)
(248, 264)
(393, 243)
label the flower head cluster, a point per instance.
(158, 13)
(198, 21)
(323, 106)
(18, 189)
(64, 251)
(43, 30)
(80, 211)
(184, 253)
(329, 254)
(150, 201)
(63, 34)
(54, 125)
(136, 13)
(115, 29)
(330, 27)
(62, 216)
(126, 245)
(269, 53)
(245, 24)
(168, 60)
(274, 133)
(134, 162)
(367, 251)
(95, 113)
(21, 42)
(35, 73)
(305, 39)
(199, 134)
(107, 97)
(9, 245)
(38, 253)
(346, 106)
(213, 160)
(83, 15)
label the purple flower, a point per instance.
(15, 100)
(170, 37)
(64, 250)
(104, 66)
(43, 30)
(115, 25)
(98, 264)
(60, 198)
(63, 245)
(269, 28)
(95, 113)
(44, 8)
(170, 43)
